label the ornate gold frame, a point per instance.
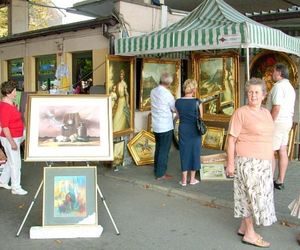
(262, 66)
(142, 148)
(291, 142)
(219, 91)
(213, 138)
(114, 64)
(160, 67)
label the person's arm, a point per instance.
(230, 155)
(8, 136)
(201, 110)
(275, 111)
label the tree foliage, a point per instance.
(3, 21)
(39, 16)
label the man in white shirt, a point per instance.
(162, 106)
(281, 102)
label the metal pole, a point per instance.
(106, 207)
(247, 63)
(29, 209)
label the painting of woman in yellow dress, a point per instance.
(119, 85)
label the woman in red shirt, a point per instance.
(11, 137)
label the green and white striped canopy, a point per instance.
(212, 25)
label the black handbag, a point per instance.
(200, 123)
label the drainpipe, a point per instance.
(164, 16)
(110, 37)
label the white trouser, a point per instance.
(12, 167)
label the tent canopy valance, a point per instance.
(212, 25)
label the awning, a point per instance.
(212, 25)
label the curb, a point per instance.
(203, 199)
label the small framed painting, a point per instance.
(119, 149)
(213, 138)
(212, 171)
(70, 196)
(142, 148)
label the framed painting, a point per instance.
(119, 149)
(263, 63)
(152, 70)
(119, 85)
(149, 123)
(213, 138)
(69, 128)
(292, 139)
(70, 196)
(142, 148)
(212, 171)
(218, 83)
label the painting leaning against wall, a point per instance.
(119, 85)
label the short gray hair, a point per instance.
(284, 72)
(166, 79)
(256, 81)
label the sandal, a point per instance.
(182, 184)
(258, 243)
(194, 182)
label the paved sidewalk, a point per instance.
(211, 193)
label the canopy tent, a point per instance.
(212, 25)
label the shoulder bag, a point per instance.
(200, 123)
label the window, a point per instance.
(16, 72)
(82, 65)
(45, 72)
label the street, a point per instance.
(146, 219)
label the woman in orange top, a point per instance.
(249, 154)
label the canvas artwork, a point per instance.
(213, 138)
(263, 63)
(119, 85)
(151, 73)
(212, 171)
(119, 149)
(142, 148)
(217, 76)
(69, 128)
(70, 196)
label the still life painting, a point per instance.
(69, 128)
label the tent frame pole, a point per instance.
(247, 63)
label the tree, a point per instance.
(3, 22)
(40, 16)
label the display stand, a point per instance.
(60, 231)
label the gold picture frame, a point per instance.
(149, 123)
(142, 148)
(213, 138)
(120, 86)
(218, 83)
(262, 66)
(152, 70)
(291, 142)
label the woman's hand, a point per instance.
(14, 145)
(230, 170)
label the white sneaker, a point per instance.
(6, 186)
(19, 191)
